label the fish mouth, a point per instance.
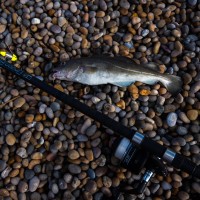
(57, 75)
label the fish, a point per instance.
(120, 71)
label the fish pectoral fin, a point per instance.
(152, 66)
(122, 84)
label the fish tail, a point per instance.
(172, 83)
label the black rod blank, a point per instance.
(148, 144)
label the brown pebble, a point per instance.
(121, 104)
(10, 139)
(73, 154)
(136, 20)
(156, 47)
(29, 118)
(32, 163)
(89, 154)
(4, 193)
(192, 114)
(183, 195)
(2, 28)
(19, 102)
(37, 156)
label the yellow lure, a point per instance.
(5, 54)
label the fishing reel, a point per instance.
(136, 159)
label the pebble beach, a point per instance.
(49, 150)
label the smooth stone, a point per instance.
(82, 138)
(34, 183)
(124, 4)
(91, 173)
(29, 174)
(74, 169)
(21, 152)
(166, 186)
(196, 187)
(35, 21)
(192, 2)
(178, 141)
(22, 186)
(73, 154)
(171, 119)
(19, 102)
(68, 178)
(183, 195)
(181, 130)
(55, 29)
(192, 114)
(55, 106)
(2, 165)
(91, 186)
(49, 112)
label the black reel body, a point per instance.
(135, 159)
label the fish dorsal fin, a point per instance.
(152, 66)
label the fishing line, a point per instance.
(175, 159)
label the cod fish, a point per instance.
(119, 71)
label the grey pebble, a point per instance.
(73, 7)
(29, 174)
(166, 186)
(21, 152)
(196, 187)
(42, 108)
(2, 165)
(55, 188)
(103, 5)
(124, 4)
(192, 2)
(74, 169)
(38, 51)
(171, 119)
(5, 172)
(154, 188)
(91, 186)
(68, 178)
(49, 112)
(181, 130)
(22, 186)
(145, 32)
(82, 138)
(35, 21)
(91, 130)
(178, 141)
(34, 183)
(55, 29)
(35, 196)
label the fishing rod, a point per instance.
(129, 136)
